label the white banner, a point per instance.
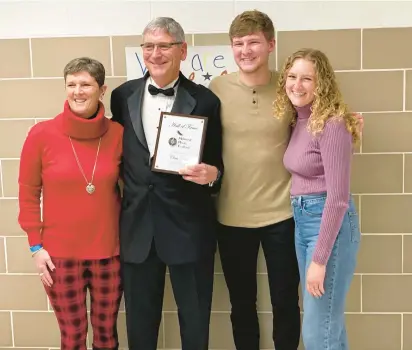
(202, 63)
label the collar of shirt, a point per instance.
(153, 105)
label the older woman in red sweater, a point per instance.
(72, 161)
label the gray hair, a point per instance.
(167, 24)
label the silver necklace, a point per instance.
(90, 188)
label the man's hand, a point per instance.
(201, 174)
(360, 121)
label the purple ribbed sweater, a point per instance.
(318, 164)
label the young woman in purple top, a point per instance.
(319, 158)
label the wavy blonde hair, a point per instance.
(328, 102)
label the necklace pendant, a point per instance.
(90, 188)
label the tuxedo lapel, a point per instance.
(185, 102)
(134, 103)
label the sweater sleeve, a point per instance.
(119, 150)
(335, 145)
(30, 185)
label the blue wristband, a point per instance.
(35, 248)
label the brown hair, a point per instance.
(328, 101)
(86, 64)
(250, 22)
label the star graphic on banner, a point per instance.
(206, 76)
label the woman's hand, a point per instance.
(43, 266)
(315, 278)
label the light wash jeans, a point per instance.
(323, 325)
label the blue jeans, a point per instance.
(323, 325)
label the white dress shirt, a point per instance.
(153, 105)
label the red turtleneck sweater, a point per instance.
(72, 223)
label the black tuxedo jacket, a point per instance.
(178, 214)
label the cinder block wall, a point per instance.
(374, 68)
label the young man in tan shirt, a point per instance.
(253, 203)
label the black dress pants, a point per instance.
(192, 285)
(238, 248)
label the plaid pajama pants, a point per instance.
(71, 280)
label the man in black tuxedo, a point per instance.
(166, 219)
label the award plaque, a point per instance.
(180, 141)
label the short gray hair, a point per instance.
(167, 24)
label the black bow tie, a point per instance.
(153, 90)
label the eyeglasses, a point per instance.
(160, 46)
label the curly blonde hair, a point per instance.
(328, 102)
